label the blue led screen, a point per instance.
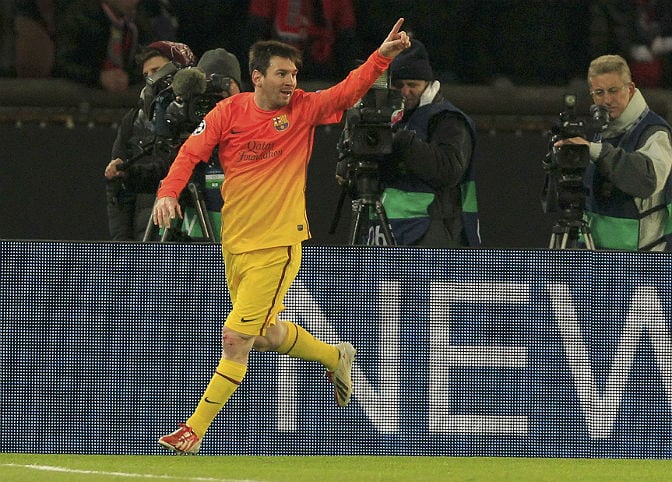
(106, 346)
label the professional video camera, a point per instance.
(156, 96)
(565, 167)
(369, 124)
(195, 95)
(178, 99)
(365, 142)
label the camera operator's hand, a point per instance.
(113, 171)
(572, 140)
(165, 210)
(401, 142)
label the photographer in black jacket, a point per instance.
(141, 156)
(429, 190)
(173, 102)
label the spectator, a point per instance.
(324, 31)
(98, 41)
(641, 32)
(7, 39)
(218, 24)
(35, 28)
(163, 23)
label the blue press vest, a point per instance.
(408, 230)
(604, 212)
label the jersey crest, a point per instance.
(281, 122)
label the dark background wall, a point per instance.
(52, 185)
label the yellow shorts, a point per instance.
(258, 282)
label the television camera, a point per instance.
(565, 166)
(194, 98)
(365, 143)
(182, 97)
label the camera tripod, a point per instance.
(198, 203)
(360, 207)
(365, 189)
(567, 231)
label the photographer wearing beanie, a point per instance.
(430, 194)
(222, 71)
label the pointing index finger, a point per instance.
(395, 29)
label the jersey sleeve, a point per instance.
(197, 148)
(327, 105)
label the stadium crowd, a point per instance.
(470, 41)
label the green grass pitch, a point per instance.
(105, 468)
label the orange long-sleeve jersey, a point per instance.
(264, 156)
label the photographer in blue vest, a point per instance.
(628, 178)
(429, 191)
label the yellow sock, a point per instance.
(301, 344)
(228, 376)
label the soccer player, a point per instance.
(265, 140)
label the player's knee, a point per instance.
(234, 339)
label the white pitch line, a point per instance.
(51, 468)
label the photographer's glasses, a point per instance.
(600, 93)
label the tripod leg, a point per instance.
(339, 207)
(568, 236)
(588, 238)
(553, 244)
(355, 226)
(385, 223)
(565, 239)
(202, 212)
(175, 227)
(166, 234)
(150, 230)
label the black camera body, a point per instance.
(185, 113)
(162, 80)
(369, 125)
(367, 137)
(365, 142)
(570, 125)
(176, 99)
(565, 166)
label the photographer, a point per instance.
(140, 157)
(429, 192)
(628, 178)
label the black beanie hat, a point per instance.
(220, 61)
(412, 63)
